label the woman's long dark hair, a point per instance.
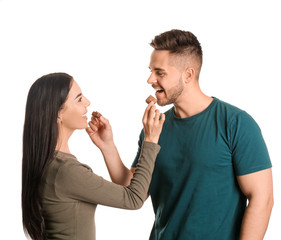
(45, 98)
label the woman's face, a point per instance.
(73, 114)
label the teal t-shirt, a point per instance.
(194, 190)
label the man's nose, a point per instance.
(151, 79)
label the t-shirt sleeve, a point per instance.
(249, 151)
(77, 181)
(141, 138)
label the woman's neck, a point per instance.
(62, 143)
(63, 148)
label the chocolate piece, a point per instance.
(96, 114)
(149, 99)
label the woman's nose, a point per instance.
(87, 102)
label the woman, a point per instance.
(60, 194)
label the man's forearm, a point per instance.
(118, 172)
(256, 220)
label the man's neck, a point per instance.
(192, 105)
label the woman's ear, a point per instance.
(59, 119)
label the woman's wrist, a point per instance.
(108, 147)
(151, 139)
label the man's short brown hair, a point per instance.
(178, 42)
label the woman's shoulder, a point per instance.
(67, 163)
(63, 156)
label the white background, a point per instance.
(104, 45)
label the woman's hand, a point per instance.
(100, 132)
(152, 123)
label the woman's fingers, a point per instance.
(153, 122)
(147, 111)
(157, 116)
(105, 123)
(151, 114)
(100, 122)
(93, 126)
(91, 130)
(163, 117)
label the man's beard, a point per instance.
(172, 95)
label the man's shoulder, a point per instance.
(236, 116)
(228, 106)
(228, 110)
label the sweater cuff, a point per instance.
(150, 145)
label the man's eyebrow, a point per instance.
(157, 69)
(80, 94)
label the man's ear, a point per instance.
(189, 74)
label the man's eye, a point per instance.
(160, 74)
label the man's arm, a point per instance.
(258, 189)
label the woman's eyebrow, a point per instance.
(80, 94)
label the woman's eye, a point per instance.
(80, 99)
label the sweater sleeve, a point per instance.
(141, 138)
(77, 181)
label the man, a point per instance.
(213, 157)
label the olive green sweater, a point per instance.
(71, 191)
